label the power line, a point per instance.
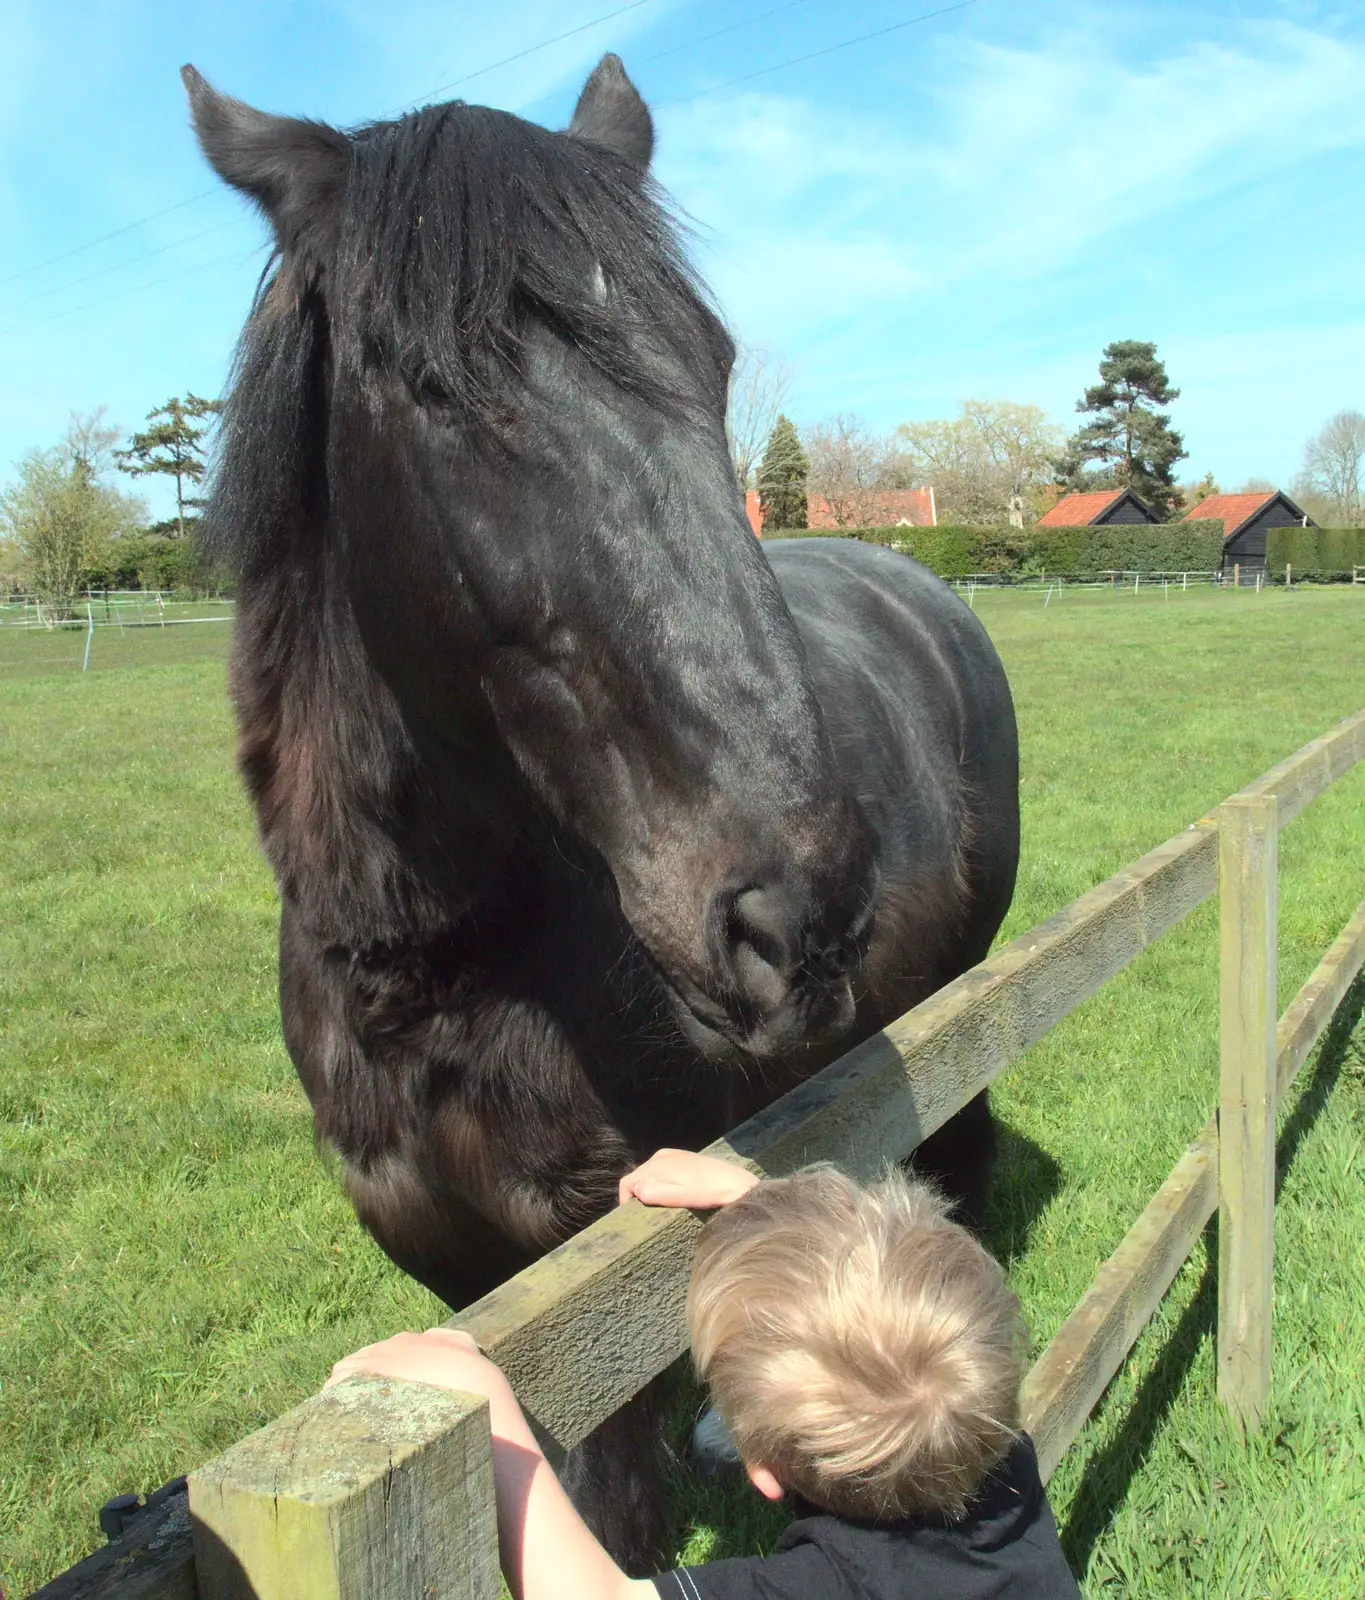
(141, 222)
(522, 54)
(687, 44)
(120, 266)
(814, 55)
(156, 283)
(104, 238)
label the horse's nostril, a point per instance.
(760, 983)
(758, 918)
(758, 942)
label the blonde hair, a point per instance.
(859, 1343)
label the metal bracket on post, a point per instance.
(1247, 870)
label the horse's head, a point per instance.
(518, 470)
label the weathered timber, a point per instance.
(1088, 1349)
(373, 1490)
(1302, 777)
(1248, 854)
(609, 1302)
(154, 1560)
(1315, 1004)
(1073, 1372)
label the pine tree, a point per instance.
(174, 446)
(1132, 442)
(782, 479)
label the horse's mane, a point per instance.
(459, 226)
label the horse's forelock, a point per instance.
(458, 226)
(461, 224)
(267, 476)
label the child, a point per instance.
(866, 1355)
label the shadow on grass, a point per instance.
(1108, 1474)
(1025, 1182)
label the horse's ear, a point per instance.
(610, 112)
(294, 170)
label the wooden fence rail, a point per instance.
(338, 1499)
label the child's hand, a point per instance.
(685, 1178)
(443, 1357)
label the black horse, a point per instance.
(596, 823)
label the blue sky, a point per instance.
(969, 206)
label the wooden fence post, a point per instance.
(373, 1490)
(1247, 858)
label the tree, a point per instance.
(62, 516)
(1133, 442)
(990, 461)
(782, 476)
(1192, 494)
(173, 446)
(1333, 468)
(758, 386)
(848, 465)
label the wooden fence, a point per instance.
(378, 1490)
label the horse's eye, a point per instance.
(428, 390)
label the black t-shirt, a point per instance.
(1005, 1548)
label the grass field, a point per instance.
(176, 1265)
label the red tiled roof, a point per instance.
(1232, 510)
(1079, 510)
(886, 508)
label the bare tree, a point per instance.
(848, 467)
(1333, 466)
(90, 441)
(986, 463)
(759, 384)
(60, 515)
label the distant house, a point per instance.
(886, 508)
(1246, 519)
(1100, 508)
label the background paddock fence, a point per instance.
(376, 1490)
(135, 627)
(1050, 585)
(120, 608)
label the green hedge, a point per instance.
(959, 551)
(1315, 552)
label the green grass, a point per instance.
(176, 1266)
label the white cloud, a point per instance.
(1031, 162)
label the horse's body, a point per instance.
(595, 826)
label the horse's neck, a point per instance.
(371, 841)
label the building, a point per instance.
(883, 508)
(1100, 508)
(1246, 519)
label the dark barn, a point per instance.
(1104, 506)
(1246, 519)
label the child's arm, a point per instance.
(685, 1178)
(546, 1549)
